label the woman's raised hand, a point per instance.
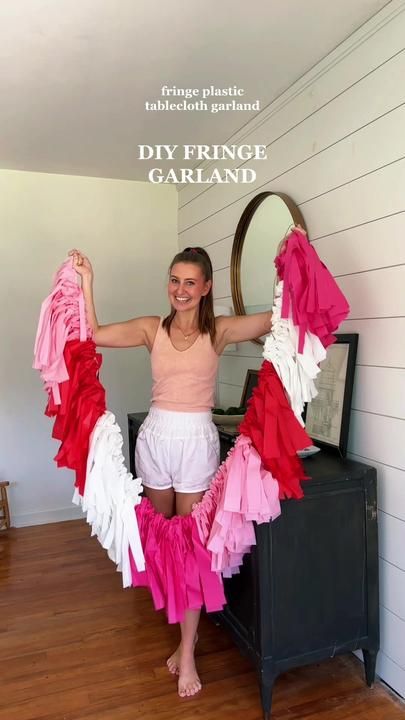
(81, 264)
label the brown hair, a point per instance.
(206, 318)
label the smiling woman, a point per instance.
(177, 451)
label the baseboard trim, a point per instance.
(47, 516)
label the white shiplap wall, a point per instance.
(336, 145)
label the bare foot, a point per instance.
(189, 683)
(173, 662)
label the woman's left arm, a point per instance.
(243, 327)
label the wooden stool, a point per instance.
(5, 512)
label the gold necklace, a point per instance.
(186, 337)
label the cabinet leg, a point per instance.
(266, 695)
(370, 659)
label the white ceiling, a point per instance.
(75, 74)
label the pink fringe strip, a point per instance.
(178, 566)
(241, 492)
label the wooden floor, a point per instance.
(75, 646)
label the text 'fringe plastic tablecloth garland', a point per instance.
(183, 559)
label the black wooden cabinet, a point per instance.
(309, 589)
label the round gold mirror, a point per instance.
(265, 221)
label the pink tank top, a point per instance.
(183, 380)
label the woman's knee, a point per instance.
(185, 502)
(162, 500)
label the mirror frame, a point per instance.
(239, 239)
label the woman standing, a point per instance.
(177, 450)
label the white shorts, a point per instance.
(178, 450)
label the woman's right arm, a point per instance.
(131, 333)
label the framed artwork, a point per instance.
(327, 416)
(251, 380)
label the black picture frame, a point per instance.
(327, 417)
(251, 380)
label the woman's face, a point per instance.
(187, 285)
